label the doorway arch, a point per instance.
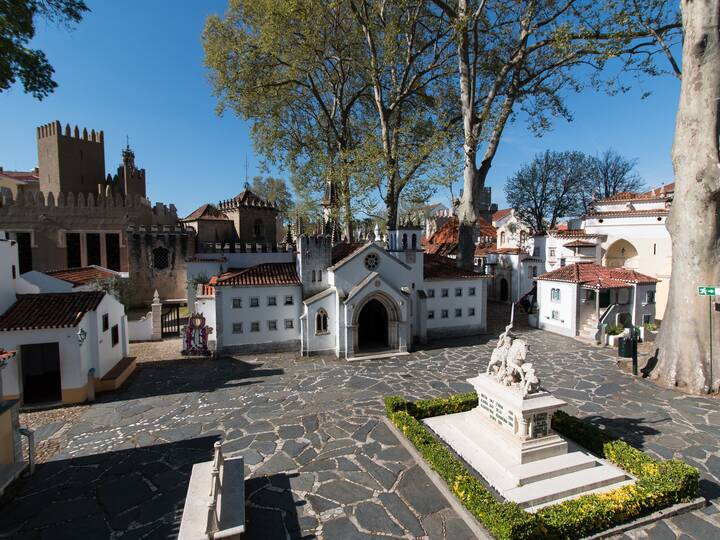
(504, 290)
(373, 326)
(621, 253)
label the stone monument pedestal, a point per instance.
(508, 440)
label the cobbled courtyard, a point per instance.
(320, 462)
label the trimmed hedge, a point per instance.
(659, 483)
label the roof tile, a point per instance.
(596, 276)
(262, 274)
(49, 310)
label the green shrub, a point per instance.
(659, 483)
(614, 329)
(651, 327)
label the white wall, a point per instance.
(393, 272)
(437, 304)
(106, 356)
(226, 315)
(141, 329)
(8, 260)
(314, 342)
(566, 323)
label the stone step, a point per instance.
(551, 467)
(564, 486)
(603, 489)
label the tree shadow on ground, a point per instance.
(631, 430)
(271, 510)
(139, 492)
(184, 375)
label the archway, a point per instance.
(504, 292)
(373, 327)
(621, 253)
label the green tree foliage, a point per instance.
(17, 28)
(274, 190)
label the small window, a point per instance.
(650, 297)
(444, 293)
(313, 276)
(237, 303)
(14, 272)
(237, 328)
(555, 315)
(272, 325)
(554, 295)
(288, 300)
(115, 336)
(105, 322)
(289, 324)
(552, 253)
(321, 322)
(471, 291)
(536, 251)
(255, 326)
(647, 318)
(431, 314)
(272, 301)
(458, 291)
(258, 228)
(254, 302)
(444, 314)
(161, 258)
(319, 275)
(431, 293)
(562, 261)
(471, 312)
(654, 249)
(534, 271)
(458, 312)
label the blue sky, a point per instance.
(135, 68)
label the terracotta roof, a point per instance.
(486, 229)
(6, 355)
(206, 212)
(83, 274)
(561, 227)
(25, 176)
(445, 250)
(445, 240)
(497, 216)
(439, 267)
(262, 274)
(663, 190)
(248, 198)
(597, 277)
(509, 251)
(579, 244)
(658, 212)
(485, 249)
(572, 233)
(49, 310)
(344, 249)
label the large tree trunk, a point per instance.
(694, 223)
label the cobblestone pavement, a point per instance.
(320, 463)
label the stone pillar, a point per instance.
(156, 317)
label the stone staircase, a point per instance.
(588, 329)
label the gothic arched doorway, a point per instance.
(504, 292)
(621, 254)
(373, 326)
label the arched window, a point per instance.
(319, 275)
(414, 241)
(313, 275)
(259, 228)
(502, 238)
(321, 322)
(404, 241)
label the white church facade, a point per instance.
(346, 300)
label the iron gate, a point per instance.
(170, 320)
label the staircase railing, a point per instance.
(213, 519)
(606, 314)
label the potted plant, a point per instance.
(614, 332)
(648, 331)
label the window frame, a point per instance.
(553, 299)
(272, 325)
(321, 322)
(444, 314)
(444, 293)
(458, 292)
(254, 301)
(458, 312)
(471, 312)
(237, 328)
(291, 298)
(115, 335)
(105, 322)
(289, 324)
(471, 291)
(255, 326)
(430, 293)
(272, 301)
(431, 314)
(237, 303)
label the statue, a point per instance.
(195, 336)
(507, 363)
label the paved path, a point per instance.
(122, 469)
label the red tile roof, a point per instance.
(262, 274)
(83, 274)
(661, 192)
(571, 233)
(509, 251)
(445, 240)
(658, 212)
(26, 176)
(497, 216)
(206, 212)
(597, 277)
(344, 249)
(579, 244)
(6, 355)
(49, 310)
(439, 267)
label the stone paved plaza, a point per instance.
(320, 462)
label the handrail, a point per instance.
(213, 519)
(30, 434)
(606, 313)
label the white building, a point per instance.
(346, 300)
(68, 344)
(576, 299)
(634, 234)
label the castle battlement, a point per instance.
(54, 129)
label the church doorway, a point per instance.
(373, 327)
(504, 290)
(41, 373)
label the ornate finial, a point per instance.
(247, 184)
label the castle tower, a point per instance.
(130, 178)
(330, 200)
(70, 161)
(314, 257)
